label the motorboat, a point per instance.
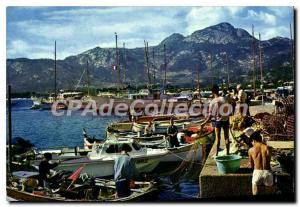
(100, 161)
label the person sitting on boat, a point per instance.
(124, 170)
(44, 169)
(148, 129)
(172, 133)
(259, 158)
(220, 121)
(110, 133)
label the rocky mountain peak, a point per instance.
(222, 33)
(224, 26)
(175, 37)
(182, 53)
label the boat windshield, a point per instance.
(114, 148)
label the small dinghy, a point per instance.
(75, 188)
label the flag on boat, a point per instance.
(76, 174)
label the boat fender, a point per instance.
(180, 137)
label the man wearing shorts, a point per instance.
(259, 157)
(219, 112)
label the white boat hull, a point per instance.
(103, 168)
(183, 153)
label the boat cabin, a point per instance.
(112, 147)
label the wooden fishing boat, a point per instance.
(127, 126)
(140, 191)
(122, 126)
(206, 131)
(160, 127)
(18, 195)
(106, 191)
(159, 117)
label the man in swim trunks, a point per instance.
(259, 157)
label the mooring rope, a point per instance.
(187, 195)
(188, 162)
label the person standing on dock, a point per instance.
(241, 98)
(221, 121)
(44, 169)
(124, 170)
(259, 158)
(172, 133)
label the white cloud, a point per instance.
(262, 16)
(19, 47)
(199, 18)
(91, 11)
(47, 30)
(202, 17)
(281, 11)
(234, 10)
(81, 28)
(99, 25)
(268, 33)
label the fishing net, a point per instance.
(277, 127)
(191, 165)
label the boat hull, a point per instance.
(30, 197)
(104, 168)
(190, 152)
(161, 127)
(148, 193)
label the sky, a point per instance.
(31, 31)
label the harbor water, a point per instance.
(45, 131)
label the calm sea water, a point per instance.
(45, 131)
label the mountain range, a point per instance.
(206, 48)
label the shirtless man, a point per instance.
(259, 157)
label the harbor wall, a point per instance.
(213, 185)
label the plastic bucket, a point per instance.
(228, 163)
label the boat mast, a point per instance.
(165, 67)
(148, 67)
(261, 69)
(55, 70)
(153, 65)
(253, 59)
(125, 62)
(147, 62)
(117, 62)
(88, 77)
(227, 70)
(9, 130)
(260, 60)
(198, 77)
(211, 69)
(292, 52)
